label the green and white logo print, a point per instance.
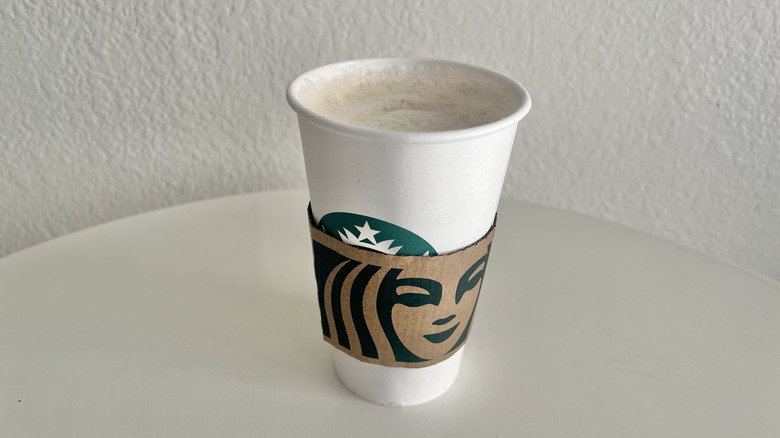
(376, 234)
(394, 311)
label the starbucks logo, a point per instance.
(392, 309)
(376, 234)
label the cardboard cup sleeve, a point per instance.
(395, 310)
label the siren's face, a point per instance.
(435, 318)
(394, 310)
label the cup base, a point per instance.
(390, 386)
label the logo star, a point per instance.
(367, 233)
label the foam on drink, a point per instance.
(409, 98)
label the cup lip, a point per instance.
(406, 136)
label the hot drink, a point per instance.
(410, 98)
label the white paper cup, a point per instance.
(444, 186)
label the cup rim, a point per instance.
(407, 136)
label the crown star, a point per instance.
(367, 239)
(367, 233)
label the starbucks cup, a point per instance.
(403, 192)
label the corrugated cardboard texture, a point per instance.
(398, 311)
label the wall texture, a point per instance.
(664, 116)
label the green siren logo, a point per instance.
(376, 234)
(391, 309)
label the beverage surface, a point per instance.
(409, 98)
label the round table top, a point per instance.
(202, 320)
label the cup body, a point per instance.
(442, 186)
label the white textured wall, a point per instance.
(660, 115)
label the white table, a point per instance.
(201, 320)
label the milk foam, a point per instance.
(409, 98)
